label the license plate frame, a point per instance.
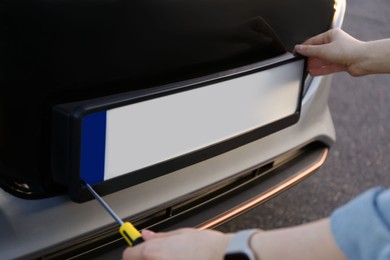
(80, 154)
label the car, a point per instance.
(179, 114)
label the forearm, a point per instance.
(375, 57)
(309, 241)
(304, 242)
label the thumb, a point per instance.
(147, 234)
(309, 50)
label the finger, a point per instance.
(147, 234)
(317, 63)
(326, 70)
(317, 51)
(126, 254)
(181, 231)
(133, 253)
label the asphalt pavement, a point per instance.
(360, 158)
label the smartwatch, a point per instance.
(239, 248)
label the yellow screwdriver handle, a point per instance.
(132, 236)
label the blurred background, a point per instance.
(360, 158)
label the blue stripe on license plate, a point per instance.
(93, 146)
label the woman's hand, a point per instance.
(180, 244)
(333, 51)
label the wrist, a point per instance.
(363, 64)
(240, 246)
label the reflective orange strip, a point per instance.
(266, 195)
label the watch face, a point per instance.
(236, 256)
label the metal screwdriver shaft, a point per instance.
(104, 204)
(127, 230)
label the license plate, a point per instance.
(133, 137)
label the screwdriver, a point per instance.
(132, 236)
